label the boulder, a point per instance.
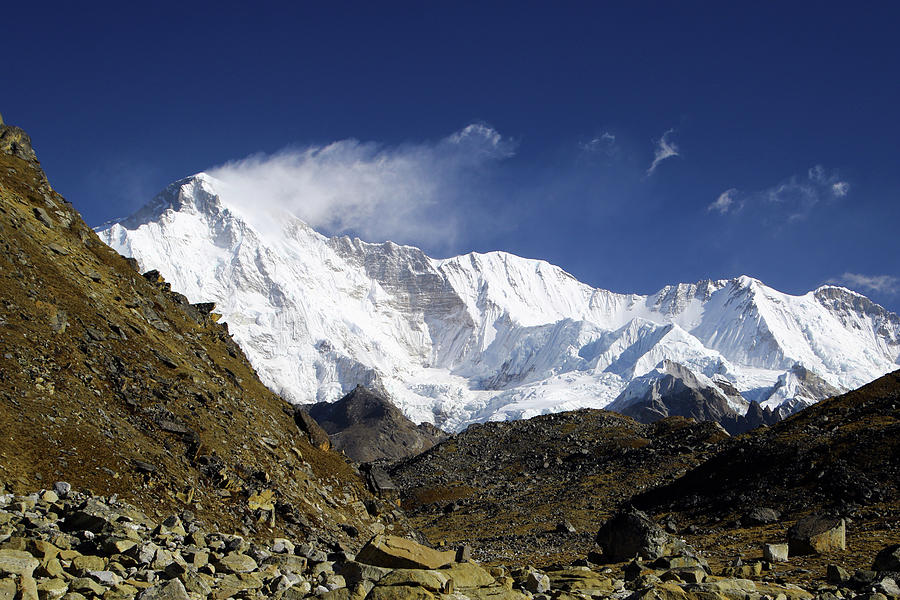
(17, 562)
(888, 587)
(888, 559)
(433, 581)
(631, 533)
(776, 552)
(235, 562)
(399, 592)
(836, 574)
(816, 534)
(170, 590)
(468, 575)
(399, 553)
(762, 516)
(537, 582)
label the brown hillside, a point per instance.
(114, 383)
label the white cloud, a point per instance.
(840, 188)
(409, 193)
(664, 149)
(606, 142)
(725, 202)
(887, 284)
(796, 196)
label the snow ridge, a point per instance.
(485, 336)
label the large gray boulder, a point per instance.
(631, 533)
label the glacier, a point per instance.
(485, 336)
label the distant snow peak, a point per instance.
(492, 336)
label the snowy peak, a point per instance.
(485, 336)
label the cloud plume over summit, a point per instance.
(409, 193)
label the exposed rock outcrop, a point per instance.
(368, 427)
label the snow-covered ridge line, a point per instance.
(483, 336)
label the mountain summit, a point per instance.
(489, 336)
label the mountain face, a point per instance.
(490, 336)
(112, 382)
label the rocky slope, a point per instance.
(367, 427)
(112, 381)
(535, 490)
(843, 452)
(65, 544)
(487, 336)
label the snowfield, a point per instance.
(484, 336)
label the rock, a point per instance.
(92, 516)
(775, 552)
(282, 546)
(170, 590)
(8, 589)
(631, 533)
(862, 578)
(235, 562)
(888, 586)
(565, 527)
(314, 433)
(816, 534)
(688, 574)
(87, 586)
(52, 588)
(28, 588)
(355, 572)
(468, 575)
(17, 562)
(888, 559)
(107, 578)
(62, 489)
(287, 563)
(400, 553)
(235, 583)
(836, 574)
(761, 516)
(537, 582)
(577, 579)
(463, 553)
(83, 564)
(434, 581)
(399, 592)
(743, 571)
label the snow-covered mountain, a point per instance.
(487, 336)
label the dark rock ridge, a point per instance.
(838, 454)
(368, 427)
(678, 392)
(674, 390)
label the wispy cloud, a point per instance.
(605, 143)
(840, 189)
(664, 149)
(725, 202)
(797, 195)
(411, 193)
(887, 284)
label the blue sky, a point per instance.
(527, 127)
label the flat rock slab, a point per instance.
(399, 553)
(17, 562)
